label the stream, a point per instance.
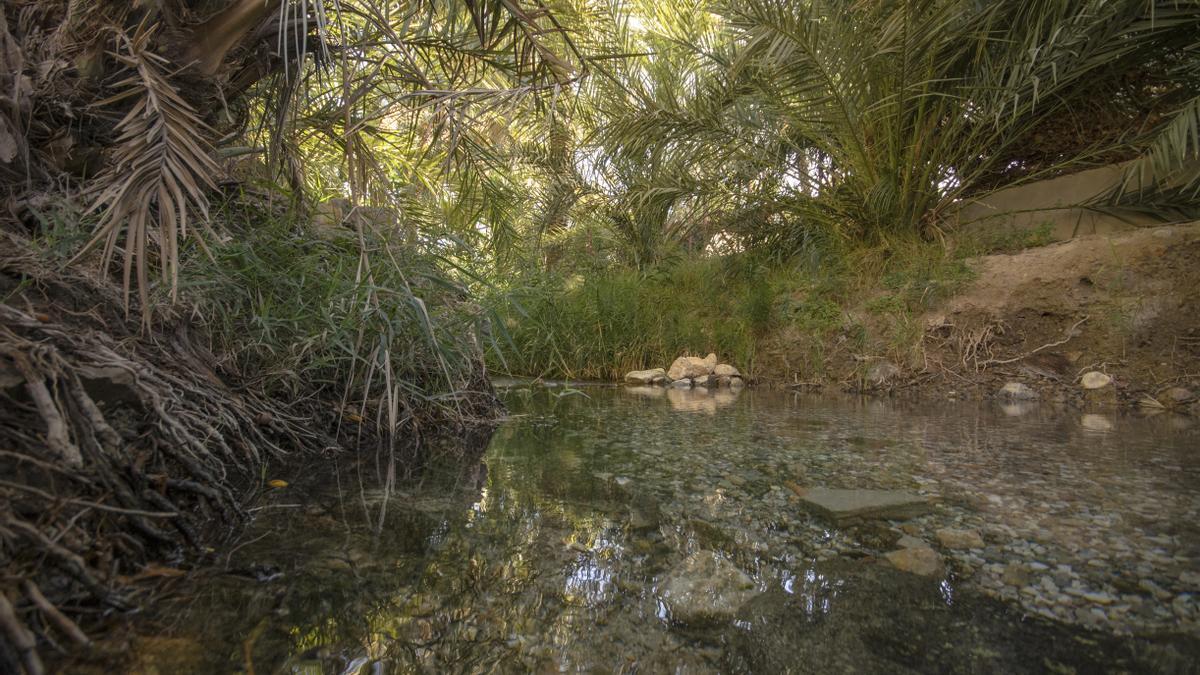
(650, 530)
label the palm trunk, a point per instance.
(213, 39)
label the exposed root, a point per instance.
(20, 637)
(1070, 333)
(114, 454)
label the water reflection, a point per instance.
(702, 400)
(550, 554)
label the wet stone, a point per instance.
(843, 507)
(958, 539)
(706, 587)
(909, 541)
(922, 561)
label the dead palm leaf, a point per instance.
(160, 173)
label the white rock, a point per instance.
(725, 370)
(1017, 391)
(688, 366)
(1095, 380)
(645, 376)
(682, 383)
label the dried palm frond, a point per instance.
(160, 171)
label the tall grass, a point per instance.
(771, 318)
(382, 327)
(610, 322)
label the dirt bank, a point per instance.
(1126, 305)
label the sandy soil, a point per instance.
(1127, 305)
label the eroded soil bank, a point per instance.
(1120, 304)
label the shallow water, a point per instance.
(554, 552)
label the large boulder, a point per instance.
(689, 367)
(645, 376)
(710, 361)
(706, 588)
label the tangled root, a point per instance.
(115, 451)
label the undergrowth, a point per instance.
(766, 316)
(379, 325)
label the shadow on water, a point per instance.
(553, 552)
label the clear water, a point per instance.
(551, 554)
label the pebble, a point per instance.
(1068, 524)
(1097, 597)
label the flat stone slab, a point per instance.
(844, 507)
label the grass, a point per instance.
(389, 333)
(774, 318)
(607, 324)
(1011, 239)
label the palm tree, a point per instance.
(871, 119)
(153, 93)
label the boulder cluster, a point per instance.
(690, 371)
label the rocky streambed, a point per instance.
(660, 529)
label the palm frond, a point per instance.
(1170, 163)
(160, 173)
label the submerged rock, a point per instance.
(921, 560)
(706, 588)
(843, 507)
(1094, 422)
(645, 376)
(909, 541)
(1017, 391)
(954, 538)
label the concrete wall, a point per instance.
(1052, 201)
